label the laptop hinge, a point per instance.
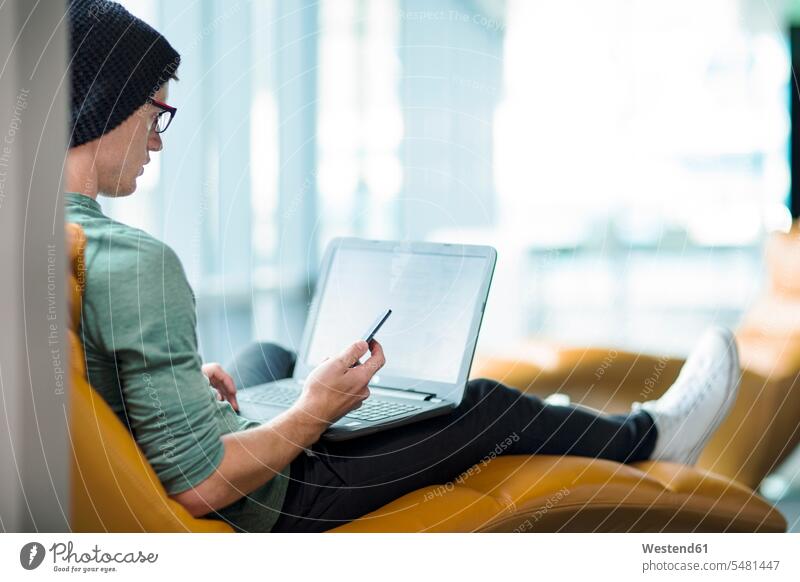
(399, 393)
(396, 392)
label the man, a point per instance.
(139, 334)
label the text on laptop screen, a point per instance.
(433, 299)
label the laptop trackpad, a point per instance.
(258, 411)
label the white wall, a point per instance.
(34, 446)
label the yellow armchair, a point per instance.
(115, 489)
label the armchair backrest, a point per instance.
(113, 487)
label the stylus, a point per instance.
(376, 325)
(373, 329)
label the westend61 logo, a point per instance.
(66, 559)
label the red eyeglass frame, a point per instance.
(164, 109)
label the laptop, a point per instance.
(437, 294)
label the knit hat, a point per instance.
(116, 61)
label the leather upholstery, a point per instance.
(544, 493)
(115, 489)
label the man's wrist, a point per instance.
(309, 422)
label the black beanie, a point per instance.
(116, 62)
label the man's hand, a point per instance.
(253, 456)
(222, 382)
(334, 388)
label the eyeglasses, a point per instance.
(164, 117)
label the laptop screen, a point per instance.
(433, 298)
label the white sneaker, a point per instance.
(696, 404)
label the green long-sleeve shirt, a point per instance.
(138, 329)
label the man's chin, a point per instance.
(123, 189)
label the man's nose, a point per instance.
(154, 143)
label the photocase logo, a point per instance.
(31, 555)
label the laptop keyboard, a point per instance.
(278, 395)
(371, 409)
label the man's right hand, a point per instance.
(334, 388)
(254, 455)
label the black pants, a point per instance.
(344, 480)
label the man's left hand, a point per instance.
(222, 382)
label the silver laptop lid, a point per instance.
(437, 293)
